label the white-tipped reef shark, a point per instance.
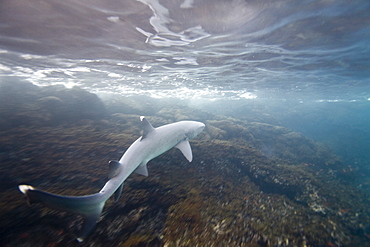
(152, 143)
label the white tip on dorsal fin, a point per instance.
(147, 127)
(185, 149)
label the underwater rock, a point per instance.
(24, 104)
(274, 142)
(139, 105)
(236, 192)
(170, 109)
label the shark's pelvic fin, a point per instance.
(185, 148)
(118, 192)
(147, 127)
(114, 167)
(142, 169)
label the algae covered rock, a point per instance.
(272, 141)
(22, 103)
(250, 183)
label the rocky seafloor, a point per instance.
(250, 183)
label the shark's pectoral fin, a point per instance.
(185, 148)
(142, 169)
(89, 223)
(118, 192)
(147, 127)
(113, 168)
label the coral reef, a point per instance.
(250, 183)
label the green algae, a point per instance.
(234, 193)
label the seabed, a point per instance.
(250, 183)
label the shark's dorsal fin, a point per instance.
(142, 169)
(113, 168)
(147, 127)
(185, 149)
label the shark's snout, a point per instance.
(195, 129)
(200, 127)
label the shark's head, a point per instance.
(193, 128)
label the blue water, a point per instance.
(304, 64)
(301, 64)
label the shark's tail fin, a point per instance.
(89, 206)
